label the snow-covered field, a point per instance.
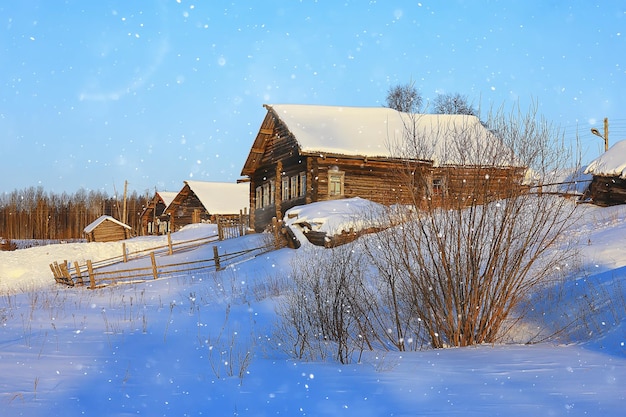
(203, 344)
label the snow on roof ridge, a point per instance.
(374, 131)
(89, 228)
(221, 197)
(612, 163)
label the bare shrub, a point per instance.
(323, 315)
(477, 246)
(7, 245)
(230, 355)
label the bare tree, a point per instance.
(464, 262)
(453, 104)
(404, 98)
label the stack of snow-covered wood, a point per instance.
(608, 185)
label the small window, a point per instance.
(335, 183)
(272, 192)
(259, 197)
(438, 187)
(266, 195)
(285, 188)
(302, 184)
(294, 192)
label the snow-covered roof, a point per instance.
(89, 228)
(612, 163)
(378, 131)
(221, 197)
(167, 196)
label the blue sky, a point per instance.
(157, 92)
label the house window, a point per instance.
(259, 197)
(285, 188)
(266, 195)
(335, 183)
(293, 187)
(438, 187)
(294, 192)
(302, 184)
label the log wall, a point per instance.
(108, 231)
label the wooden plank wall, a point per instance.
(107, 231)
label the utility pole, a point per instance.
(124, 220)
(606, 133)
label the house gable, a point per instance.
(151, 217)
(200, 201)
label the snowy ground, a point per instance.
(203, 344)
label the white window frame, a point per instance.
(266, 194)
(336, 177)
(285, 188)
(294, 191)
(259, 197)
(302, 184)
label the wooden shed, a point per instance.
(202, 201)
(107, 229)
(304, 154)
(608, 183)
(153, 220)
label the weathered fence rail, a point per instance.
(100, 277)
(169, 248)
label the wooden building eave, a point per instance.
(266, 131)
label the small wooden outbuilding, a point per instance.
(608, 183)
(107, 229)
(203, 201)
(153, 220)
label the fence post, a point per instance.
(169, 243)
(92, 279)
(276, 230)
(124, 256)
(54, 272)
(79, 277)
(66, 274)
(220, 228)
(58, 275)
(216, 258)
(154, 267)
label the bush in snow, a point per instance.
(462, 264)
(323, 315)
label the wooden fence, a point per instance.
(230, 226)
(72, 275)
(95, 275)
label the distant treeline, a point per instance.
(33, 213)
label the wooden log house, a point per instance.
(107, 229)
(153, 221)
(304, 154)
(608, 183)
(202, 201)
